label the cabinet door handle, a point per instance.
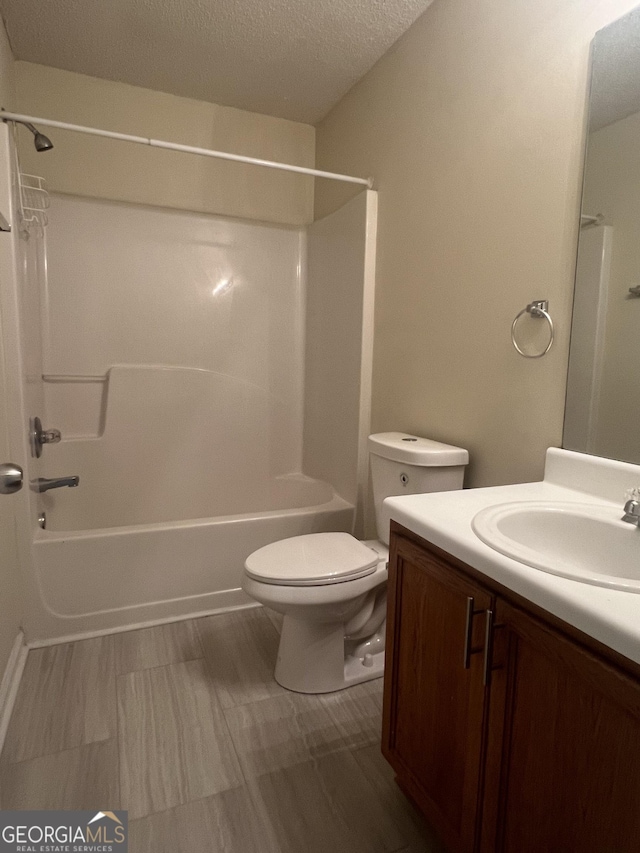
(468, 632)
(488, 649)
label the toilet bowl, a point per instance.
(331, 587)
(333, 598)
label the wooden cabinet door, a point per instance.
(434, 705)
(563, 754)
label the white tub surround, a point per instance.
(132, 289)
(172, 358)
(178, 444)
(339, 349)
(608, 615)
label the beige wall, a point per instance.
(10, 606)
(612, 187)
(7, 72)
(472, 126)
(121, 171)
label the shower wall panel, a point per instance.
(137, 288)
(339, 344)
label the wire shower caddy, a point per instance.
(34, 200)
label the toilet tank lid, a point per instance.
(413, 450)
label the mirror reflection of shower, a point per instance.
(603, 394)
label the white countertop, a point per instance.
(444, 519)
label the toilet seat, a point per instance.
(314, 559)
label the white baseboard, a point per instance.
(10, 683)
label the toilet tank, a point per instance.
(404, 464)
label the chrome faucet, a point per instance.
(632, 507)
(43, 485)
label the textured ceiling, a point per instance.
(289, 58)
(615, 86)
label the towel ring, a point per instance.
(540, 310)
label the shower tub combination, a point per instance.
(252, 429)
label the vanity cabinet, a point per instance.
(509, 729)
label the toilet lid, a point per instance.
(312, 560)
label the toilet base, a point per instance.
(312, 657)
(356, 671)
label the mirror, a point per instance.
(602, 414)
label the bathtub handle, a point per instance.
(38, 437)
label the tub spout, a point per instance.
(43, 485)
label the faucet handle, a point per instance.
(632, 508)
(633, 494)
(38, 437)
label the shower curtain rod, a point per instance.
(185, 149)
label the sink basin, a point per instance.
(585, 542)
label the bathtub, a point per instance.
(100, 579)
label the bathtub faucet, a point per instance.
(43, 485)
(632, 507)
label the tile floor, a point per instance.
(184, 726)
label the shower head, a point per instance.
(41, 142)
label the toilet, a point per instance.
(331, 588)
